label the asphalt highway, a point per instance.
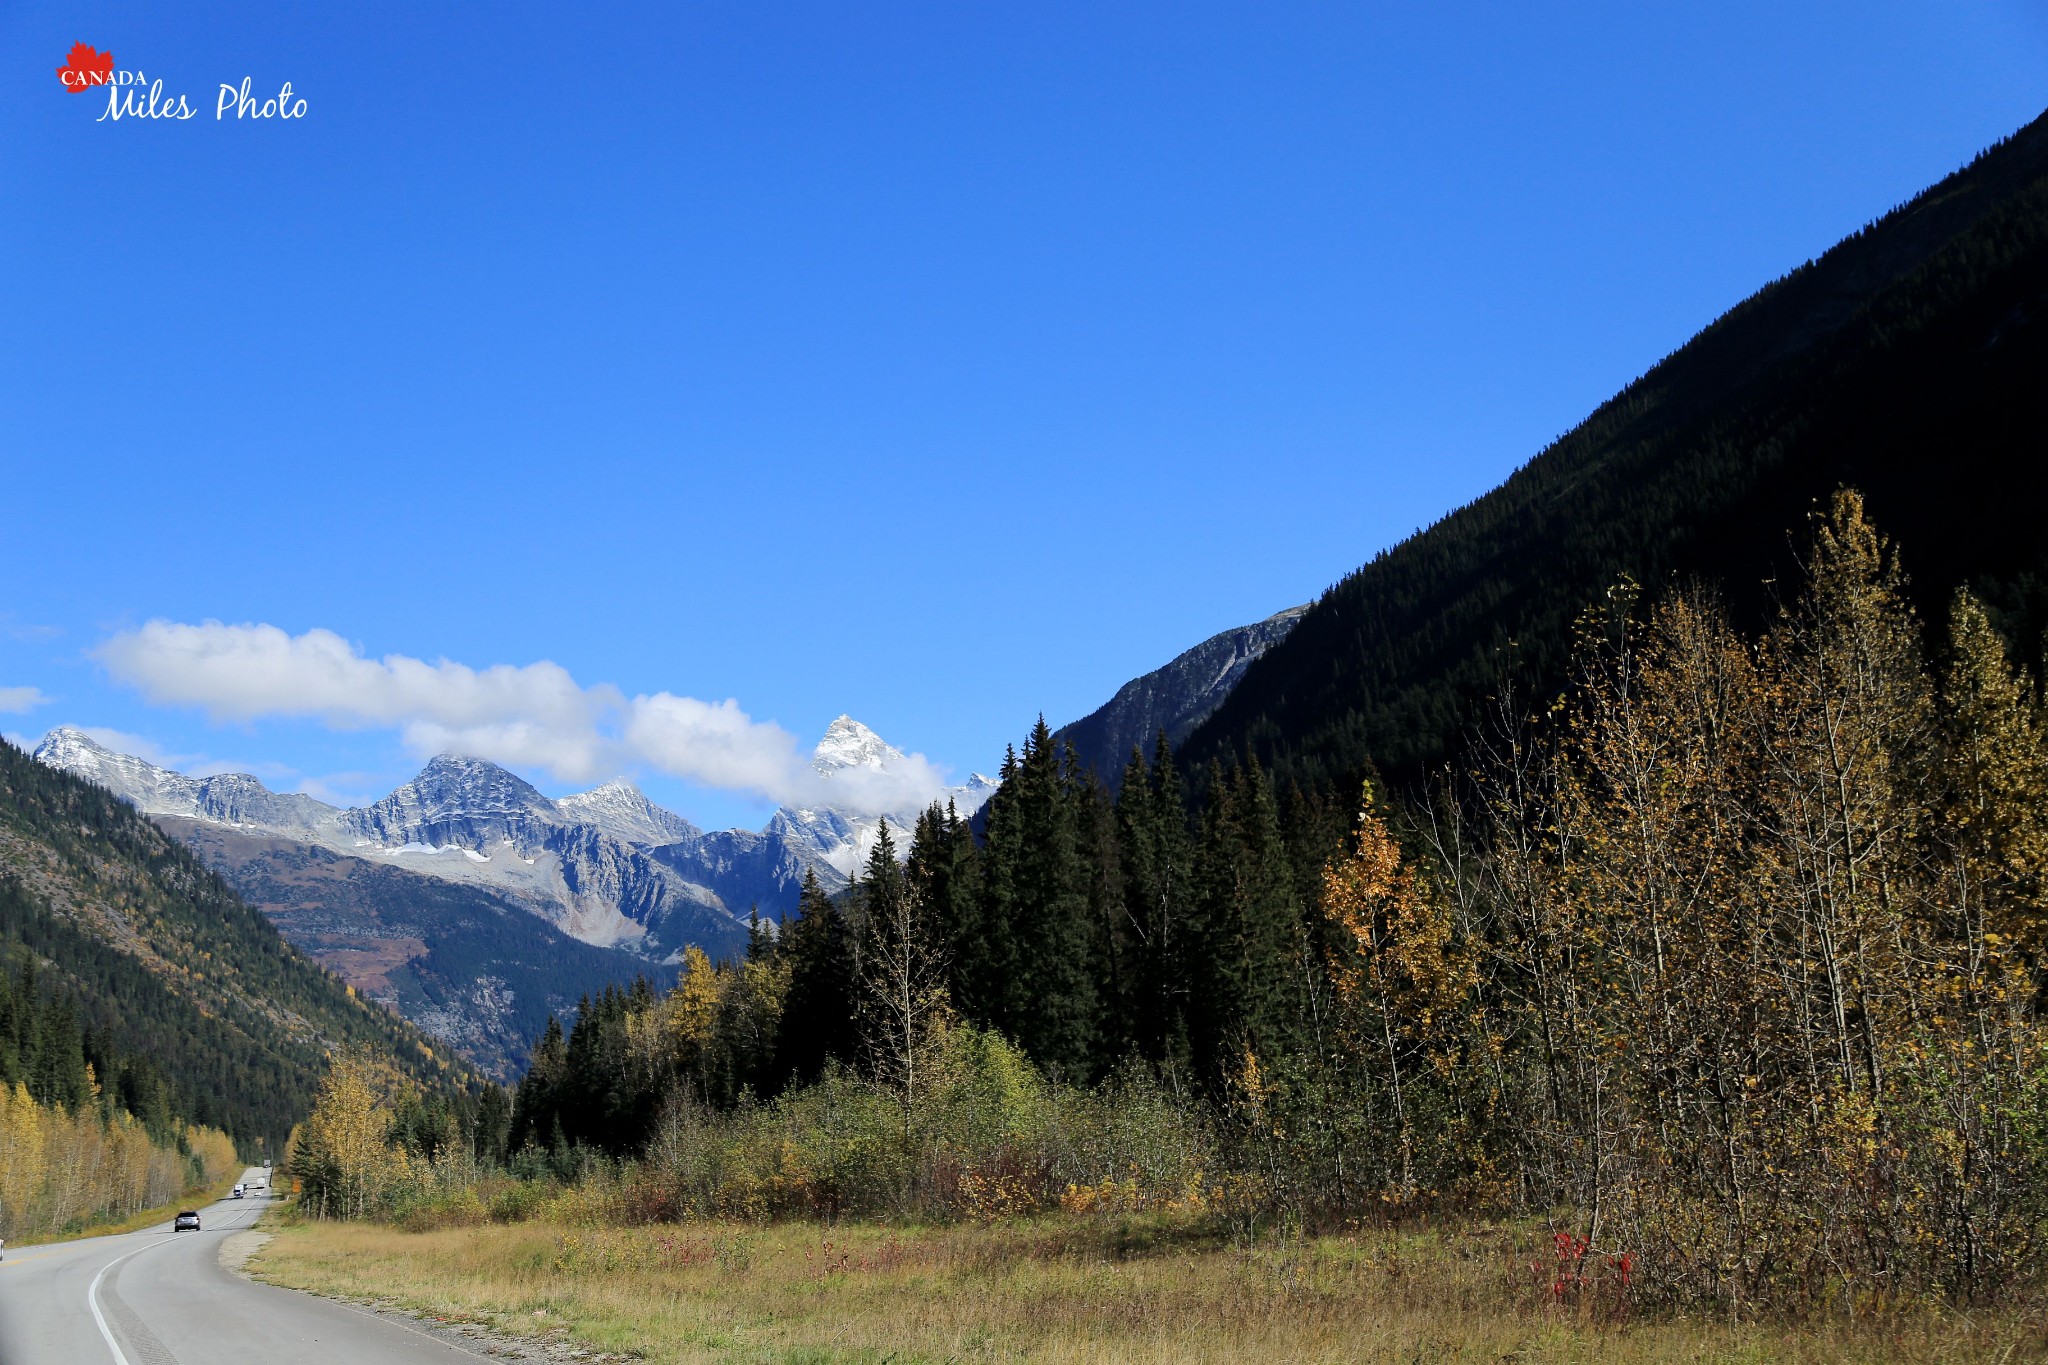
(159, 1297)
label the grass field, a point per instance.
(1053, 1290)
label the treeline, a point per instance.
(1726, 961)
(1089, 932)
(87, 1133)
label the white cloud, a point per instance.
(19, 701)
(534, 716)
(714, 743)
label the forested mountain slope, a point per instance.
(165, 962)
(1910, 361)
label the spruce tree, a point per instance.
(1055, 1015)
(1111, 949)
(1152, 833)
(987, 964)
(942, 873)
(817, 1011)
(491, 1134)
(1250, 921)
(537, 1108)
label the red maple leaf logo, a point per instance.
(86, 67)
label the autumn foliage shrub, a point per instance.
(1725, 964)
(987, 1137)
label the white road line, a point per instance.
(92, 1301)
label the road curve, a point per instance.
(161, 1298)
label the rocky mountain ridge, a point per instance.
(608, 866)
(1175, 698)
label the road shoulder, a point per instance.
(237, 1248)
(550, 1348)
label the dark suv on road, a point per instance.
(188, 1219)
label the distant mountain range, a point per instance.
(476, 905)
(608, 867)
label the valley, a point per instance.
(475, 906)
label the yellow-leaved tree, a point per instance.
(1405, 986)
(342, 1153)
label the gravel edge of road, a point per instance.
(553, 1348)
(237, 1247)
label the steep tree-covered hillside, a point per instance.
(1911, 362)
(165, 963)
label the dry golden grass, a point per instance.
(1054, 1290)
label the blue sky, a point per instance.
(938, 364)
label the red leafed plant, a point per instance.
(86, 67)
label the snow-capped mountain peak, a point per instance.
(154, 790)
(67, 744)
(623, 811)
(456, 799)
(849, 744)
(607, 865)
(229, 798)
(455, 784)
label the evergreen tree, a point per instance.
(58, 1074)
(1250, 926)
(986, 942)
(491, 1134)
(538, 1107)
(1054, 1014)
(1111, 950)
(761, 937)
(1157, 854)
(943, 874)
(817, 1011)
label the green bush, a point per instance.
(989, 1136)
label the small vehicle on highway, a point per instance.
(188, 1219)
